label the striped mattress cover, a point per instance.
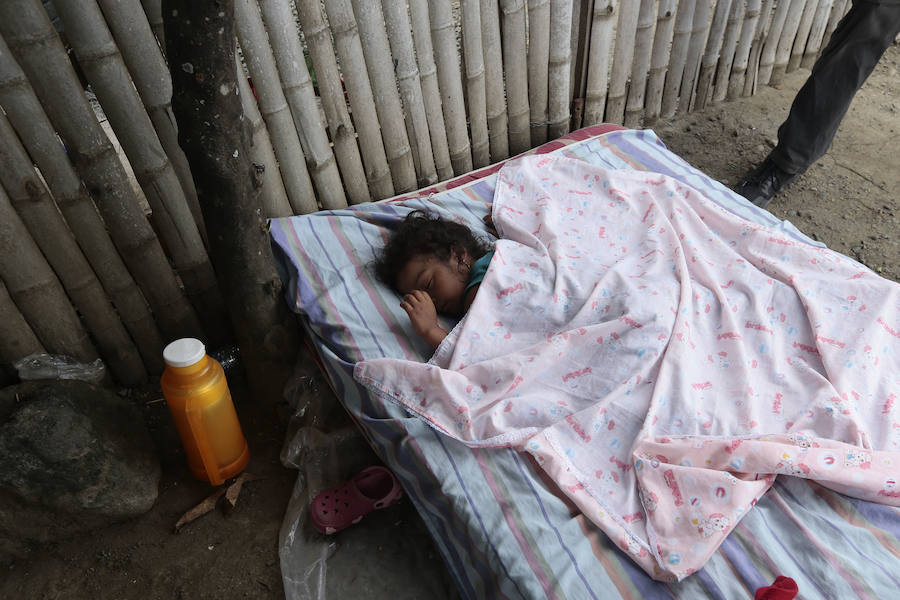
(496, 520)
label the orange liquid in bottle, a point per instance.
(197, 394)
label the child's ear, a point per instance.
(458, 253)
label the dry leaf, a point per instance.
(208, 505)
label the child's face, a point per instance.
(443, 280)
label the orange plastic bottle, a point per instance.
(197, 393)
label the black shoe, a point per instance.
(761, 184)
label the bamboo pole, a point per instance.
(431, 95)
(538, 68)
(17, 340)
(105, 70)
(598, 61)
(681, 39)
(659, 59)
(729, 48)
(643, 44)
(25, 27)
(742, 52)
(153, 10)
(699, 33)
(802, 36)
(626, 30)
(36, 290)
(150, 75)
(377, 54)
(558, 111)
(274, 107)
(356, 80)
(816, 33)
(399, 29)
(786, 41)
(331, 91)
(476, 98)
(759, 40)
(443, 36)
(32, 202)
(39, 137)
(838, 10)
(773, 37)
(272, 194)
(495, 90)
(514, 61)
(575, 35)
(713, 53)
(298, 91)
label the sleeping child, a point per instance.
(436, 265)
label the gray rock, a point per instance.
(73, 457)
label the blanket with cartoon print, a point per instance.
(663, 359)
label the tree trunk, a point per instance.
(105, 70)
(225, 181)
(46, 226)
(39, 137)
(36, 290)
(147, 67)
(26, 28)
(331, 91)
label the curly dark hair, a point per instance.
(424, 233)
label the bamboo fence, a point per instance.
(345, 101)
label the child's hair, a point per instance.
(423, 233)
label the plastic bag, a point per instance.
(58, 366)
(389, 554)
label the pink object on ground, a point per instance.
(784, 588)
(340, 507)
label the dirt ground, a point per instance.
(850, 200)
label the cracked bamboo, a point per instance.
(334, 103)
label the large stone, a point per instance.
(73, 457)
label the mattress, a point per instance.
(501, 528)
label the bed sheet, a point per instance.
(501, 528)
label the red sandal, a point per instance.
(340, 507)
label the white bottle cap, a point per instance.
(184, 352)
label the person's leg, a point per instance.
(856, 46)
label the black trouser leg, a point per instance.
(856, 45)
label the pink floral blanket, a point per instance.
(663, 359)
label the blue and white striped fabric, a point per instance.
(500, 527)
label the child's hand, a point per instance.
(423, 315)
